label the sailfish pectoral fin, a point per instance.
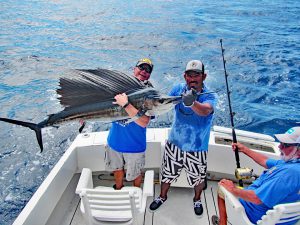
(36, 127)
(82, 122)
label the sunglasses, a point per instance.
(286, 145)
(145, 67)
(193, 74)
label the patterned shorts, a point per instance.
(175, 160)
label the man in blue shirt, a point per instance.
(187, 144)
(279, 184)
(127, 142)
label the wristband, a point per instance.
(189, 106)
(126, 104)
(139, 114)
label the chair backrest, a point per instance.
(281, 213)
(106, 204)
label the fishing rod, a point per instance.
(237, 157)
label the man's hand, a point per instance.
(227, 184)
(121, 99)
(241, 148)
(189, 97)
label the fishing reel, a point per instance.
(244, 173)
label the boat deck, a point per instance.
(178, 209)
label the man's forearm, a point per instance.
(247, 195)
(202, 109)
(132, 111)
(257, 157)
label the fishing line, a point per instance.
(234, 140)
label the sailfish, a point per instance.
(89, 94)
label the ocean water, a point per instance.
(41, 40)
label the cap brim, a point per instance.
(195, 70)
(284, 138)
(141, 63)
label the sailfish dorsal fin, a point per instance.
(92, 86)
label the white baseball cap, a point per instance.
(292, 136)
(195, 65)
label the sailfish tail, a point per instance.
(36, 127)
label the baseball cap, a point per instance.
(195, 65)
(145, 61)
(292, 136)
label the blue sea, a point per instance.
(41, 40)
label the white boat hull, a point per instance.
(88, 149)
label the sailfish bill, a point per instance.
(88, 94)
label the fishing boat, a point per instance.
(55, 201)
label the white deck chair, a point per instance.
(104, 205)
(280, 213)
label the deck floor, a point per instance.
(178, 209)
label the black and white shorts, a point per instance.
(175, 160)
